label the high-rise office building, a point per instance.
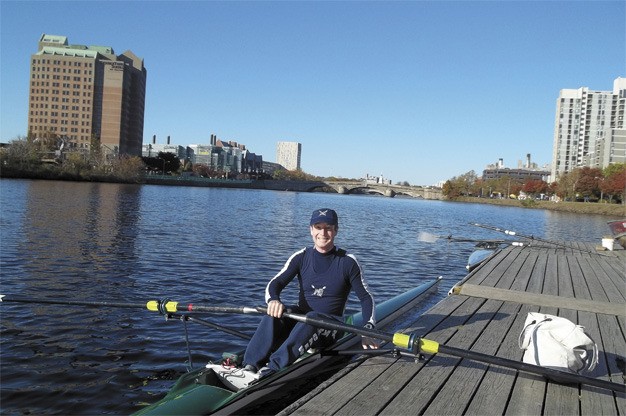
(589, 129)
(79, 93)
(288, 155)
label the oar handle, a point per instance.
(407, 341)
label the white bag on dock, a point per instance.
(555, 342)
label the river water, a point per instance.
(131, 243)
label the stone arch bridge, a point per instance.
(355, 187)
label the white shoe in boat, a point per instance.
(235, 378)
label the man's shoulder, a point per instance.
(344, 254)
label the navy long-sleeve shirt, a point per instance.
(325, 282)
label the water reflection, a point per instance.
(69, 241)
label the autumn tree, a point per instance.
(535, 187)
(614, 183)
(587, 184)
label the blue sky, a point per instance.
(417, 91)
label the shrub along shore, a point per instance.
(615, 211)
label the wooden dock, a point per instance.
(445, 385)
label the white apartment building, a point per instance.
(288, 155)
(589, 129)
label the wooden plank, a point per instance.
(467, 375)
(608, 331)
(396, 376)
(538, 299)
(491, 397)
(417, 393)
(613, 281)
(333, 397)
(527, 397)
(489, 276)
(561, 399)
(487, 269)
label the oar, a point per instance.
(530, 237)
(409, 342)
(162, 306)
(432, 238)
(417, 345)
(153, 305)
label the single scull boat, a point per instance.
(202, 391)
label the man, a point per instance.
(326, 275)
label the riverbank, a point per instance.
(616, 211)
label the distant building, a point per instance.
(219, 155)
(288, 155)
(79, 93)
(589, 129)
(377, 180)
(524, 171)
(271, 167)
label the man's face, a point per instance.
(323, 236)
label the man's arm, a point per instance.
(275, 286)
(368, 310)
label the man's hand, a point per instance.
(369, 343)
(275, 308)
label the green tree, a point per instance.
(463, 185)
(614, 182)
(566, 185)
(293, 175)
(588, 183)
(450, 189)
(164, 162)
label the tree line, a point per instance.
(581, 184)
(48, 159)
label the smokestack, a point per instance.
(168, 139)
(154, 139)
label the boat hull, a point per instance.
(618, 228)
(481, 254)
(201, 392)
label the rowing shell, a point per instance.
(482, 252)
(202, 391)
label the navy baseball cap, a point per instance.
(326, 215)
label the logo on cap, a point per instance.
(326, 215)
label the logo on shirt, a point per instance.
(319, 291)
